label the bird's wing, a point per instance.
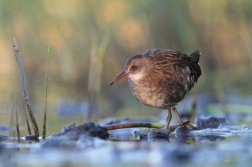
(166, 56)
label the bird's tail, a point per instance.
(195, 56)
(194, 66)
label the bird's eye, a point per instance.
(133, 67)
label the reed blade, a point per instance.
(24, 87)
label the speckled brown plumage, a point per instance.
(161, 78)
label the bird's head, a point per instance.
(135, 68)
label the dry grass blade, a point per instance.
(24, 87)
(45, 109)
(26, 119)
(28, 126)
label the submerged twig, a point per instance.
(148, 125)
(24, 87)
(45, 109)
(134, 125)
(192, 127)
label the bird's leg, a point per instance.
(177, 115)
(168, 118)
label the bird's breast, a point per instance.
(147, 93)
(159, 93)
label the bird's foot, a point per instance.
(162, 131)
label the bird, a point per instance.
(161, 78)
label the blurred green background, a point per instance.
(90, 42)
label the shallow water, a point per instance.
(222, 143)
(229, 145)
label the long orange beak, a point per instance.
(122, 75)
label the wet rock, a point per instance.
(90, 129)
(204, 122)
(182, 129)
(182, 134)
(72, 136)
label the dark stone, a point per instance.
(204, 122)
(71, 134)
